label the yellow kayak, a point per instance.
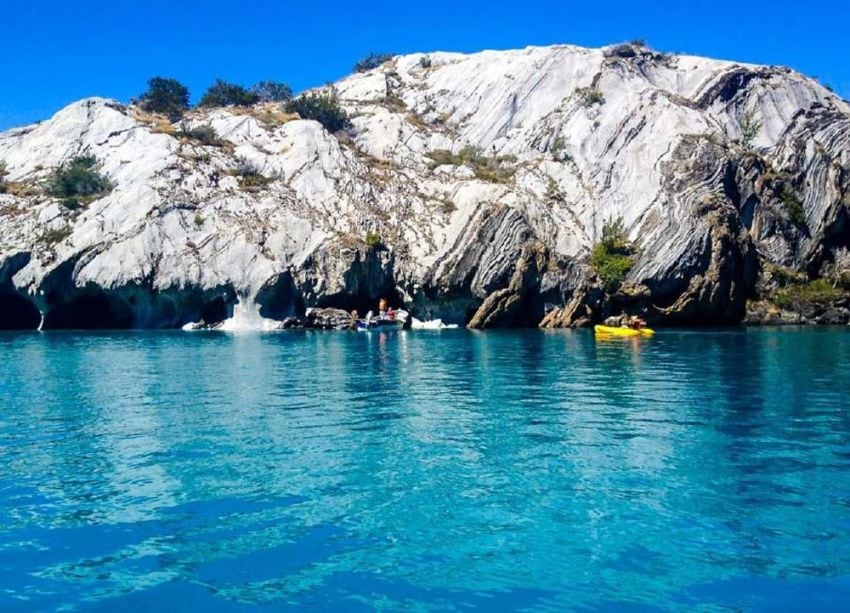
(614, 331)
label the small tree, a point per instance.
(272, 91)
(77, 182)
(372, 61)
(323, 108)
(222, 93)
(611, 258)
(750, 128)
(166, 96)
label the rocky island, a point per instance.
(548, 186)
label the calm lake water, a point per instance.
(425, 471)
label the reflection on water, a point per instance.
(428, 470)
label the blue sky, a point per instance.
(56, 52)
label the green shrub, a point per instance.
(221, 93)
(425, 61)
(794, 207)
(272, 91)
(77, 182)
(166, 96)
(323, 108)
(819, 292)
(611, 258)
(373, 240)
(205, 135)
(372, 61)
(3, 174)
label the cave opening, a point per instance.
(215, 311)
(18, 312)
(363, 302)
(89, 311)
(281, 299)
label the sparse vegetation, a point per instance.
(750, 128)
(221, 93)
(425, 61)
(56, 235)
(553, 192)
(165, 96)
(395, 103)
(447, 206)
(3, 174)
(324, 108)
(494, 169)
(795, 296)
(371, 61)
(204, 135)
(557, 146)
(373, 240)
(250, 177)
(272, 91)
(794, 207)
(611, 258)
(199, 220)
(77, 183)
(590, 96)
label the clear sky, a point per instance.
(54, 52)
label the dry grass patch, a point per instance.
(270, 116)
(158, 124)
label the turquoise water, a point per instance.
(425, 471)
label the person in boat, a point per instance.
(625, 321)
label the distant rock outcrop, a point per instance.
(470, 188)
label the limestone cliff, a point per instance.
(487, 178)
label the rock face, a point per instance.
(714, 167)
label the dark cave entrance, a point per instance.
(216, 310)
(18, 312)
(89, 311)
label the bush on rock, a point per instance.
(611, 259)
(323, 108)
(221, 93)
(165, 96)
(77, 182)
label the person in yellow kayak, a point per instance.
(632, 322)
